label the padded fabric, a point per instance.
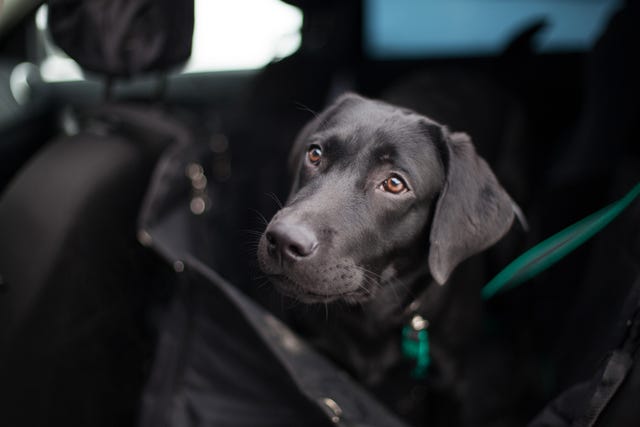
(65, 309)
(123, 37)
(72, 337)
(58, 188)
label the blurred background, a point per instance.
(95, 94)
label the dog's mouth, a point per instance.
(317, 278)
(291, 288)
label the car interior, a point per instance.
(97, 96)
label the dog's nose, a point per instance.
(290, 240)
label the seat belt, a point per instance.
(551, 250)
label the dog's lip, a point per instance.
(292, 289)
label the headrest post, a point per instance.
(161, 87)
(108, 88)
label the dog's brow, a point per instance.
(384, 153)
(384, 147)
(332, 143)
(407, 161)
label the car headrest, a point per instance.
(123, 38)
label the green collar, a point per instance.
(415, 345)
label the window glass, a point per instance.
(436, 28)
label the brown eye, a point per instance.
(394, 184)
(314, 154)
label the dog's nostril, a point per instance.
(301, 248)
(298, 251)
(295, 250)
(270, 238)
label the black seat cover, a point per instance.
(72, 338)
(74, 280)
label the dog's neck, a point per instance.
(369, 332)
(365, 338)
(401, 297)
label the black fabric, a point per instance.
(123, 37)
(623, 410)
(212, 369)
(610, 397)
(73, 340)
(597, 354)
(222, 360)
(613, 374)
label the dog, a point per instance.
(384, 205)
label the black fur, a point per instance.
(370, 257)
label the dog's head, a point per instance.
(379, 191)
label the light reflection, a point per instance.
(242, 34)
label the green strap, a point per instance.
(553, 249)
(415, 345)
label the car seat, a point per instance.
(73, 343)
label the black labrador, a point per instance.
(385, 204)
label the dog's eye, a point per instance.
(394, 184)
(314, 154)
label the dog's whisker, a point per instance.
(263, 283)
(367, 271)
(365, 290)
(253, 232)
(253, 241)
(262, 218)
(252, 246)
(374, 281)
(252, 249)
(367, 281)
(259, 277)
(303, 107)
(371, 278)
(289, 303)
(275, 198)
(399, 284)
(377, 282)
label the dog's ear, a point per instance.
(302, 140)
(473, 211)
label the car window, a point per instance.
(395, 29)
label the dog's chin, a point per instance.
(308, 295)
